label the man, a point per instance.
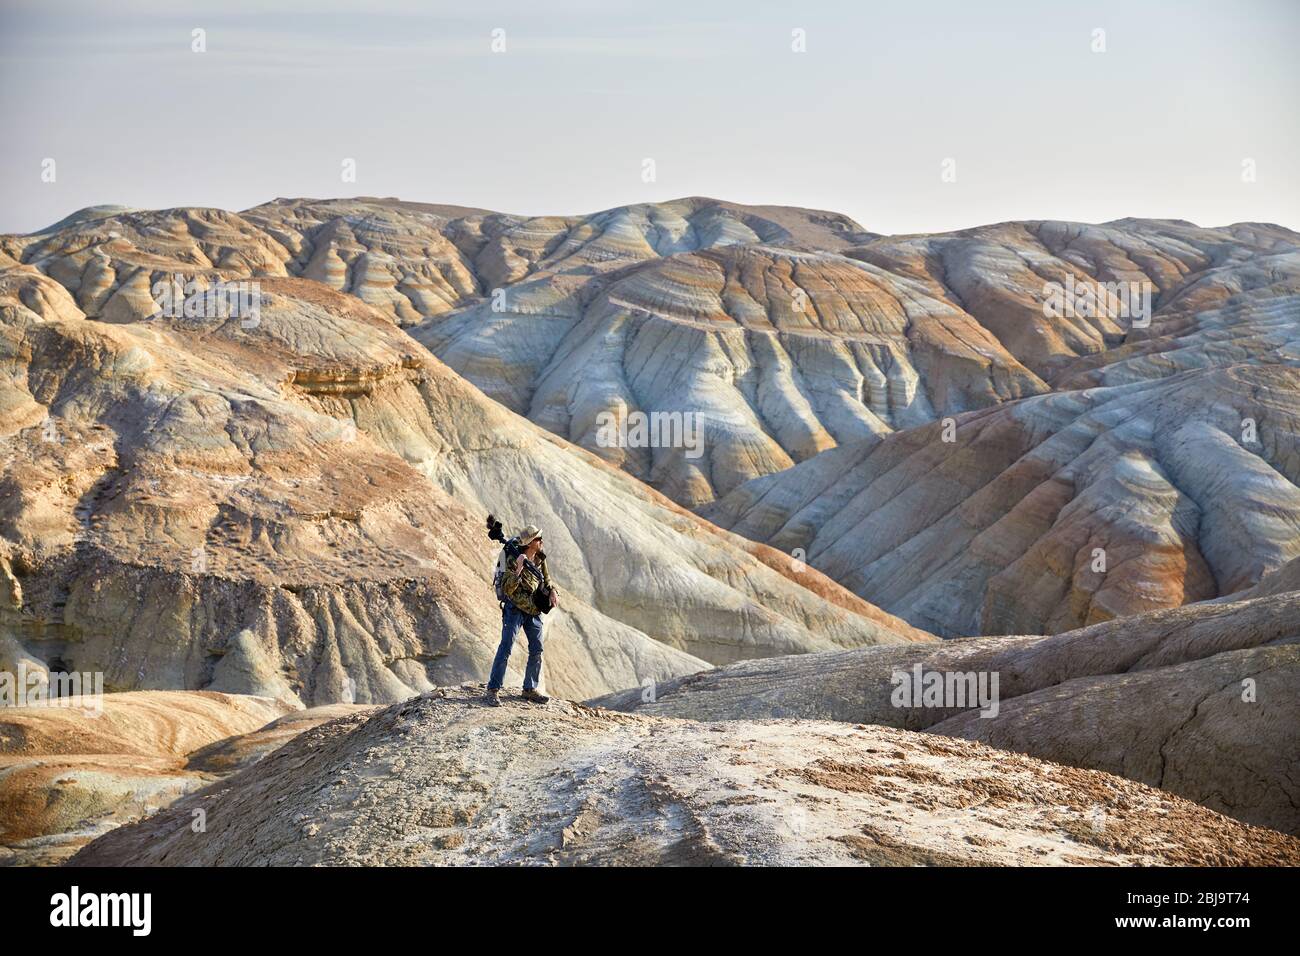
(520, 582)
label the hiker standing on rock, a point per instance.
(524, 587)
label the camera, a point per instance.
(511, 550)
(542, 599)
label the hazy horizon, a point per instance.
(871, 120)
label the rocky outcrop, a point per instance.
(444, 780)
(1223, 735)
(74, 769)
(1200, 700)
(243, 750)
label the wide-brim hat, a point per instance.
(528, 533)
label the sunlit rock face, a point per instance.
(291, 504)
(1053, 512)
(783, 347)
(903, 414)
(1158, 465)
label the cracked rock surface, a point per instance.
(1202, 701)
(443, 779)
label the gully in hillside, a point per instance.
(525, 592)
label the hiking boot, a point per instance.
(493, 697)
(535, 696)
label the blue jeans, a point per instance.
(511, 620)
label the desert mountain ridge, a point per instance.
(456, 210)
(279, 518)
(822, 364)
(299, 504)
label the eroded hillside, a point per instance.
(442, 779)
(823, 365)
(293, 506)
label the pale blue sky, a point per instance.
(1038, 124)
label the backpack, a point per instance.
(507, 555)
